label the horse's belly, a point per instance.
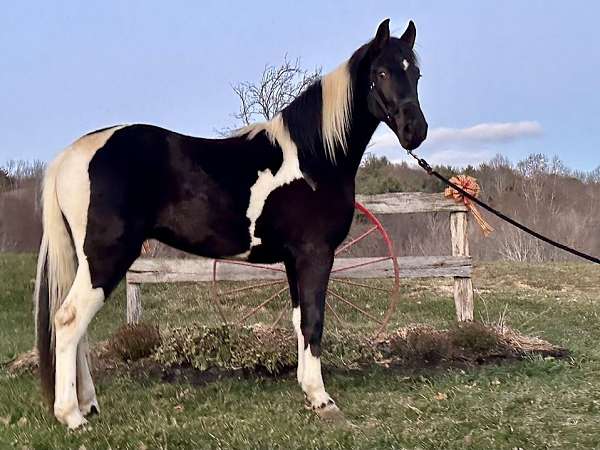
(205, 228)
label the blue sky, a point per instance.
(512, 77)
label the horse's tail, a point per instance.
(55, 273)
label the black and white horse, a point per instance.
(276, 191)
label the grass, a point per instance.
(533, 404)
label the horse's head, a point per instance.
(393, 79)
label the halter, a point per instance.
(381, 103)
(377, 95)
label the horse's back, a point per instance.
(124, 184)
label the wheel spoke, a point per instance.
(354, 266)
(359, 309)
(254, 286)
(352, 283)
(394, 298)
(279, 317)
(215, 294)
(244, 263)
(355, 240)
(335, 315)
(262, 305)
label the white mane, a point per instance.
(336, 88)
(337, 97)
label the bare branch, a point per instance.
(277, 88)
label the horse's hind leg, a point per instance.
(294, 294)
(71, 322)
(86, 393)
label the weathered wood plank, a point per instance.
(463, 299)
(200, 269)
(409, 202)
(134, 303)
(459, 228)
(463, 287)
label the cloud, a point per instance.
(484, 133)
(461, 146)
(460, 158)
(451, 157)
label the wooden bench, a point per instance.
(458, 265)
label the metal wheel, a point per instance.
(266, 298)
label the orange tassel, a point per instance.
(470, 185)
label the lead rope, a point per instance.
(425, 165)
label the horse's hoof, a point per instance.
(330, 412)
(78, 424)
(326, 410)
(73, 420)
(90, 408)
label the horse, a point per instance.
(278, 191)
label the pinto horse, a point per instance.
(276, 191)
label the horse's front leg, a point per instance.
(313, 266)
(290, 268)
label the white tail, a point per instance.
(55, 273)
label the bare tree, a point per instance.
(592, 176)
(277, 88)
(20, 173)
(501, 170)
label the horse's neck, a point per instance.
(315, 161)
(361, 130)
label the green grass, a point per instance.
(533, 404)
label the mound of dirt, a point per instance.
(210, 352)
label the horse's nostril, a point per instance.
(408, 129)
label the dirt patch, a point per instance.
(198, 354)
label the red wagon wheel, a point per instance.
(271, 284)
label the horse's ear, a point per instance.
(382, 36)
(409, 34)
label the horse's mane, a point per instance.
(318, 118)
(336, 89)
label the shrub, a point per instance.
(228, 347)
(428, 345)
(474, 337)
(256, 348)
(133, 342)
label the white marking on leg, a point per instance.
(71, 322)
(267, 182)
(296, 319)
(86, 393)
(312, 381)
(83, 301)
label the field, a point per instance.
(536, 403)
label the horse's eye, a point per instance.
(382, 75)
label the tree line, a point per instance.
(539, 191)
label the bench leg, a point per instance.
(463, 287)
(463, 299)
(134, 303)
